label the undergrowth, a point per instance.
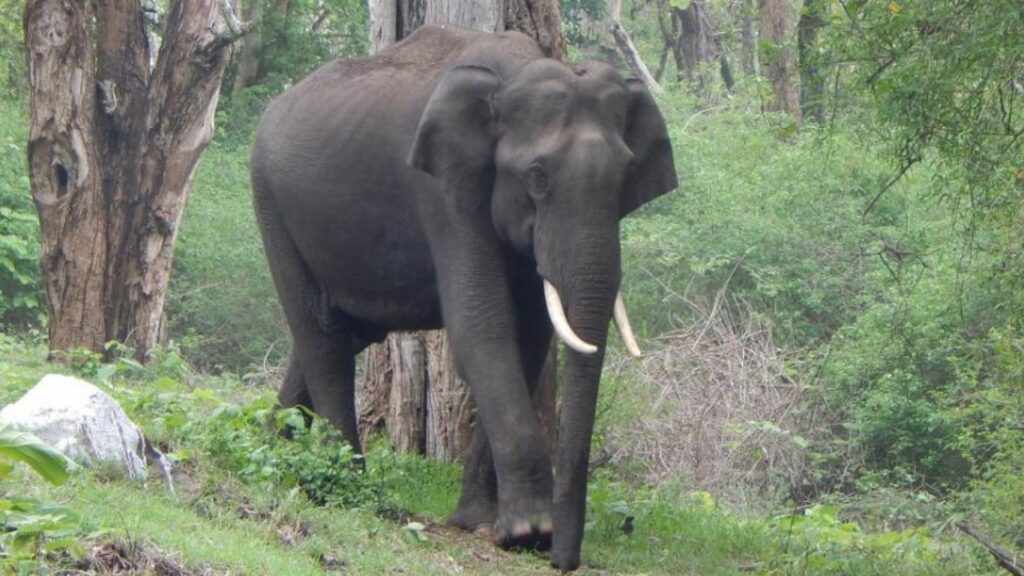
(242, 481)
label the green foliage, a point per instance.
(946, 77)
(818, 542)
(777, 225)
(686, 532)
(293, 41)
(12, 53)
(574, 13)
(249, 489)
(21, 302)
(27, 448)
(306, 34)
(32, 528)
(906, 336)
(267, 448)
(222, 308)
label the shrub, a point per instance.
(221, 306)
(21, 300)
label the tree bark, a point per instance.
(666, 24)
(409, 388)
(812, 81)
(748, 38)
(777, 58)
(629, 52)
(540, 19)
(112, 147)
(249, 57)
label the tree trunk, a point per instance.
(409, 388)
(666, 23)
(696, 46)
(694, 43)
(777, 59)
(112, 147)
(812, 81)
(251, 48)
(748, 39)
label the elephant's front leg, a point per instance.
(478, 501)
(518, 446)
(481, 321)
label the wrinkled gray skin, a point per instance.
(435, 184)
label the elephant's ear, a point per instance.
(455, 140)
(653, 172)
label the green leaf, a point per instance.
(53, 466)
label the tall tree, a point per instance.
(748, 36)
(812, 80)
(112, 147)
(688, 29)
(409, 387)
(778, 62)
(290, 38)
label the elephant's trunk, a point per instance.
(591, 296)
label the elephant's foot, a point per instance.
(528, 527)
(565, 562)
(474, 515)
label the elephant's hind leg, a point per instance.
(321, 372)
(293, 392)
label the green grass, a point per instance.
(128, 512)
(229, 517)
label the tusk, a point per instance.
(561, 324)
(625, 330)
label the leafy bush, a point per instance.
(221, 305)
(30, 527)
(883, 316)
(21, 301)
(12, 54)
(249, 440)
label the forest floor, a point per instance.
(245, 502)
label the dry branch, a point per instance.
(1007, 561)
(720, 411)
(629, 52)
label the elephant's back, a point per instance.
(330, 155)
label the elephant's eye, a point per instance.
(537, 180)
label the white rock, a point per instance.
(81, 421)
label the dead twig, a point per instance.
(1007, 561)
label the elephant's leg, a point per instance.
(328, 366)
(293, 391)
(323, 361)
(478, 500)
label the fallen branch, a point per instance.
(633, 57)
(1006, 561)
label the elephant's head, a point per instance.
(559, 155)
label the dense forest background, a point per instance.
(832, 302)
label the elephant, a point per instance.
(461, 179)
